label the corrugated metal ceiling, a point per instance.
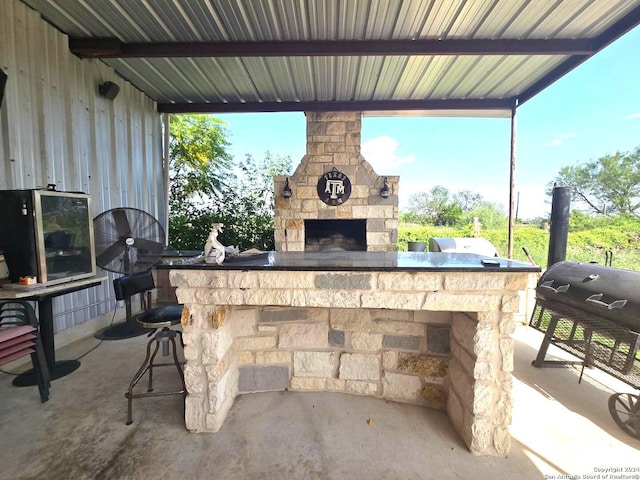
(484, 55)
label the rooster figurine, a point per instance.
(213, 249)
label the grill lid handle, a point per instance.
(595, 299)
(560, 289)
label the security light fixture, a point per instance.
(385, 191)
(286, 191)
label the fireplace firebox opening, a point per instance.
(335, 235)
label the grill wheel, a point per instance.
(625, 410)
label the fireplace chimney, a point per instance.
(335, 183)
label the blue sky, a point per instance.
(590, 112)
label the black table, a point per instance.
(44, 297)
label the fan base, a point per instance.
(121, 331)
(61, 369)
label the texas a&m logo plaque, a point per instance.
(334, 187)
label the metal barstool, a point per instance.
(163, 337)
(159, 320)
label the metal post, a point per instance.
(512, 183)
(166, 139)
(559, 230)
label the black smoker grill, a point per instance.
(593, 312)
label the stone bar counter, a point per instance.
(429, 329)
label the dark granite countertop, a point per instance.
(357, 261)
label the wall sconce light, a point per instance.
(385, 191)
(286, 191)
(109, 90)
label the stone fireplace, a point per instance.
(333, 151)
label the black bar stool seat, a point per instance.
(161, 317)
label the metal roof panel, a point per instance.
(323, 77)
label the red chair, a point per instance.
(19, 336)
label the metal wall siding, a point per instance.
(57, 129)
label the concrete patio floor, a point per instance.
(559, 427)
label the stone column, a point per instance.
(211, 372)
(480, 401)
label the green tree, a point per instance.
(468, 200)
(245, 207)
(425, 207)
(609, 185)
(436, 207)
(448, 215)
(199, 161)
(207, 186)
(418, 210)
(491, 216)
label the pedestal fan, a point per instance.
(128, 240)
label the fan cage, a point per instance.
(128, 240)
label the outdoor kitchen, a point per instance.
(336, 308)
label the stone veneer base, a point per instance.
(435, 339)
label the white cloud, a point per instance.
(633, 115)
(559, 140)
(381, 153)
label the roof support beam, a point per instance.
(113, 48)
(322, 106)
